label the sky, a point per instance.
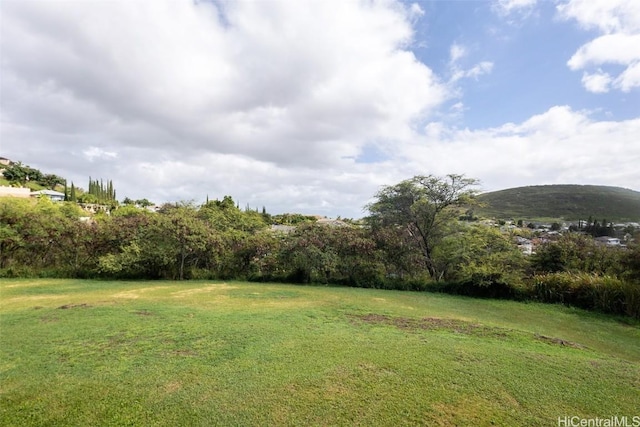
(311, 106)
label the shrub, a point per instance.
(631, 293)
(589, 291)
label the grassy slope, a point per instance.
(198, 353)
(563, 201)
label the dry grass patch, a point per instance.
(136, 293)
(216, 287)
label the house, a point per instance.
(3, 163)
(525, 245)
(56, 196)
(608, 241)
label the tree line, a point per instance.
(413, 239)
(17, 173)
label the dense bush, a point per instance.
(39, 238)
(574, 252)
(589, 291)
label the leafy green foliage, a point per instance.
(414, 239)
(590, 291)
(99, 192)
(482, 259)
(292, 219)
(322, 254)
(630, 263)
(21, 174)
(424, 207)
(574, 253)
(17, 173)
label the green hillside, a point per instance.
(563, 201)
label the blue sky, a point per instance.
(529, 52)
(312, 106)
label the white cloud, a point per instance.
(598, 82)
(619, 23)
(514, 12)
(629, 78)
(270, 102)
(607, 16)
(506, 7)
(557, 146)
(415, 11)
(457, 51)
(608, 49)
(276, 86)
(484, 67)
(97, 153)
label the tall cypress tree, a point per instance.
(72, 196)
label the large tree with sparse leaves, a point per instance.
(423, 209)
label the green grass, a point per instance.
(78, 352)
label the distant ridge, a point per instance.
(569, 202)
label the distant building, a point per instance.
(525, 245)
(22, 192)
(3, 163)
(608, 241)
(56, 196)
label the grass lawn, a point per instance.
(76, 352)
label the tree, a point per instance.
(51, 181)
(73, 197)
(102, 193)
(19, 173)
(631, 264)
(143, 203)
(423, 207)
(481, 258)
(309, 256)
(575, 253)
(188, 235)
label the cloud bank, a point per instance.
(298, 106)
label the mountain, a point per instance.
(569, 202)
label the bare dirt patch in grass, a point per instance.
(456, 326)
(143, 313)
(558, 341)
(172, 387)
(431, 323)
(68, 306)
